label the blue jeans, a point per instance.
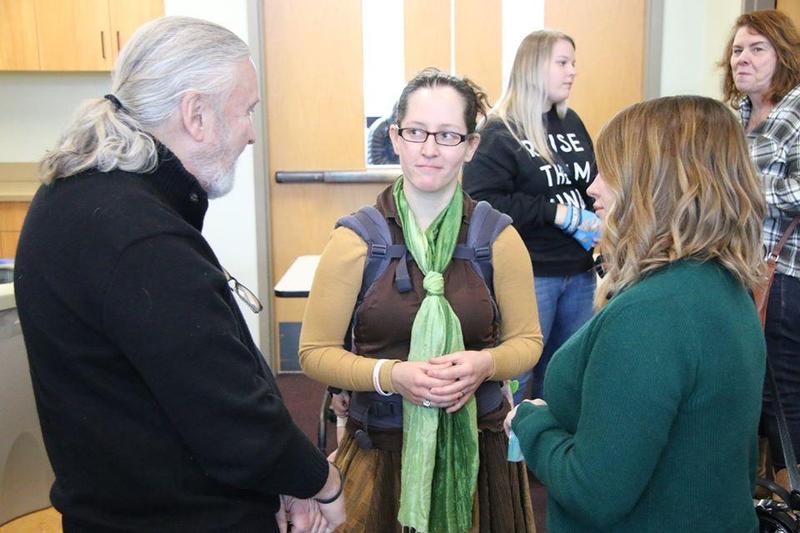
(782, 331)
(565, 304)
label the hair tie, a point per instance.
(114, 100)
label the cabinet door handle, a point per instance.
(118, 46)
(103, 43)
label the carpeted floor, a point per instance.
(303, 397)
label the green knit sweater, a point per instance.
(653, 408)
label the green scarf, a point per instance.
(440, 450)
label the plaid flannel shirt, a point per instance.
(775, 150)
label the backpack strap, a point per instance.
(485, 225)
(369, 224)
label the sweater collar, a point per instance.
(178, 187)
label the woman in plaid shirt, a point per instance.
(762, 81)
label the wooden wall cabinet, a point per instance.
(12, 215)
(18, 47)
(69, 35)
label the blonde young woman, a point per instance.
(652, 408)
(534, 163)
(424, 446)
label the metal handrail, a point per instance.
(384, 174)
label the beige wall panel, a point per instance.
(610, 54)
(19, 49)
(791, 8)
(427, 35)
(315, 121)
(478, 37)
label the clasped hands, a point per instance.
(447, 381)
(322, 513)
(296, 516)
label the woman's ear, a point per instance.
(394, 136)
(472, 141)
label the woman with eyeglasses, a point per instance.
(534, 163)
(424, 446)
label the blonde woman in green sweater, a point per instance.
(650, 410)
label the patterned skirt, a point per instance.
(372, 482)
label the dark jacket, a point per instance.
(158, 411)
(527, 188)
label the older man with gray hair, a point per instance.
(158, 411)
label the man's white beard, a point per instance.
(216, 168)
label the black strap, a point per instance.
(786, 442)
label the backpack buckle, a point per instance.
(484, 253)
(378, 250)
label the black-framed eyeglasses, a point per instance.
(444, 138)
(244, 294)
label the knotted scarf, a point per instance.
(440, 450)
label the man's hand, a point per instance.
(333, 512)
(280, 518)
(301, 516)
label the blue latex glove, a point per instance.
(588, 231)
(582, 225)
(514, 450)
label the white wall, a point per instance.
(230, 224)
(384, 42)
(36, 106)
(694, 36)
(519, 18)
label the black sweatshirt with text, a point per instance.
(519, 182)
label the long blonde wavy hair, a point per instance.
(683, 186)
(164, 60)
(524, 99)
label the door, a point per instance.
(314, 106)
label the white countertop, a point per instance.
(296, 281)
(7, 296)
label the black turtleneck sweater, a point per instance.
(158, 411)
